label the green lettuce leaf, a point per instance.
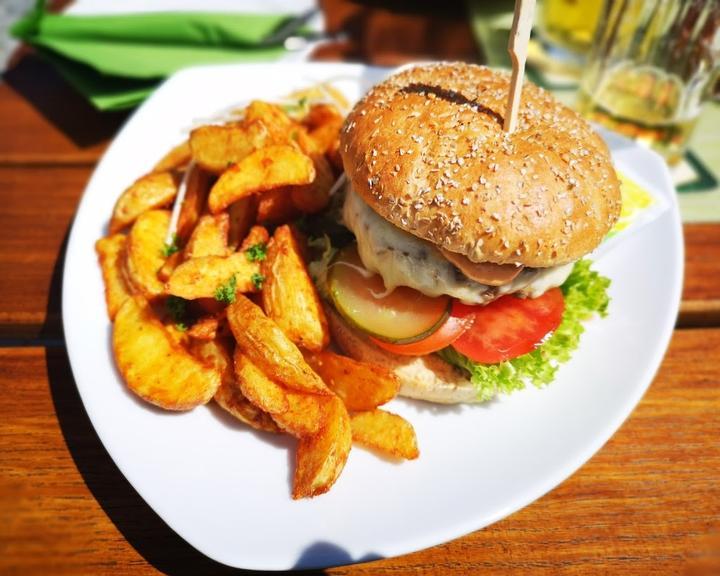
(585, 295)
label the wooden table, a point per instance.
(648, 501)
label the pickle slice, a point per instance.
(401, 316)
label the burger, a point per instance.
(464, 270)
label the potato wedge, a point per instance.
(154, 365)
(177, 158)
(289, 296)
(322, 456)
(273, 117)
(385, 432)
(257, 387)
(297, 413)
(205, 328)
(154, 190)
(360, 385)
(111, 252)
(315, 196)
(264, 169)
(256, 235)
(300, 136)
(214, 148)
(276, 206)
(242, 216)
(203, 277)
(216, 353)
(323, 123)
(266, 345)
(172, 262)
(145, 245)
(196, 192)
(230, 398)
(209, 238)
(304, 416)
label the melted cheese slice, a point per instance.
(406, 260)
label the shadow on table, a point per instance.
(41, 85)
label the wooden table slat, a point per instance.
(44, 121)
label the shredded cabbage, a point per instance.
(585, 294)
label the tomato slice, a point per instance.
(448, 332)
(508, 327)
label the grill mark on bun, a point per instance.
(452, 96)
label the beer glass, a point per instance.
(651, 65)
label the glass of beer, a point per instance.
(651, 65)
(569, 25)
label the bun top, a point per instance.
(426, 150)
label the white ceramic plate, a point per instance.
(226, 489)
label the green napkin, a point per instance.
(116, 61)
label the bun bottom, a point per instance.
(426, 378)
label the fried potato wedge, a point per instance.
(214, 148)
(154, 190)
(267, 346)
(272, 116)
(276, 206)
(360, 385)
(145, 257)
(289, 296)
(257, 386)
(203, 277)
(242, 215)
(111, 252)
(197, 187)
(209, 238)
(256, 235)
(315, 196)
(205, 328)
(322, 456)
(297, 413)
(385, 432)
(323, 123)
(304, 416)
(172, 262)
(262, 170)
(154, 365)
(177, 158)
(228, 396)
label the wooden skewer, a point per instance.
(517, 47)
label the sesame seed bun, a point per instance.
(426, 150)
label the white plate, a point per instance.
(226, 489)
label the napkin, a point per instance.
(116, 60)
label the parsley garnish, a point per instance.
(226, 292)
(177, 308)
(170, 249)
(256, 252)
(257, 279)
